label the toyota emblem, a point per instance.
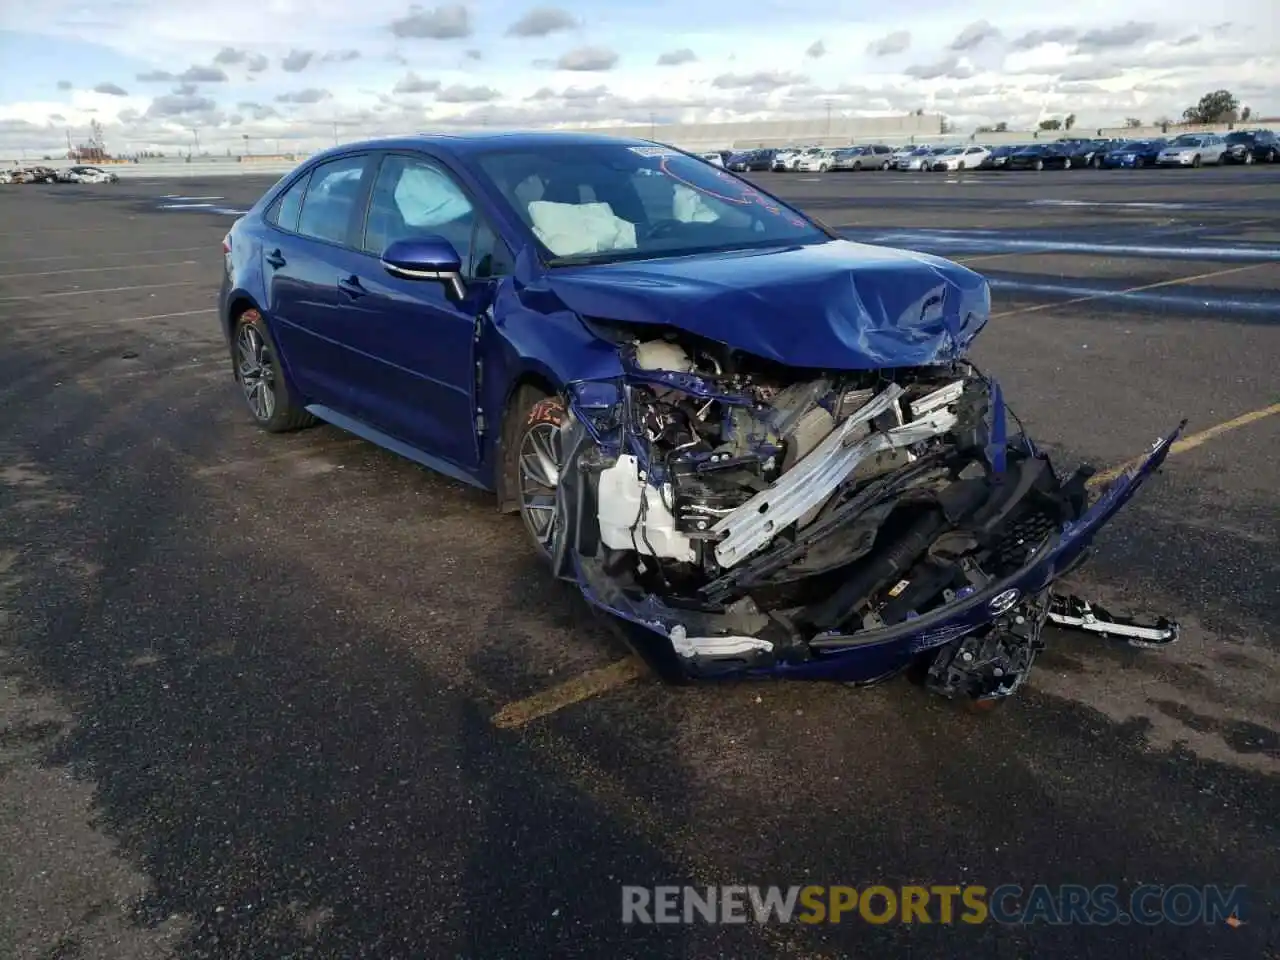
(1004, 600)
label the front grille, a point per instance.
(1022, 537)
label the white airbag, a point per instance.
(689, 206)
(572, 228)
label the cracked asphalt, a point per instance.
(247, 682)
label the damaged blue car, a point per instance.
(758, 441)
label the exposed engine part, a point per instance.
(634, 516)
(761, 517)
(663, 355)
(811, 481)
(991, 664)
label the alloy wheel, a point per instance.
(539, 465)
(256, 372)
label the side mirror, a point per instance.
(427, 258)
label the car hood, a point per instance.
(834, 305)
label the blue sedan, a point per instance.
(1139, 153)
(749, 437)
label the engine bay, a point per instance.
(750, 511)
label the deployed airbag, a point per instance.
(568, 229)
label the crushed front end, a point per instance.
(841, 525)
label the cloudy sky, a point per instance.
(289, 73)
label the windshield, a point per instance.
(954, 150)
(1188, 142)
(600, 203)
(1239, 137)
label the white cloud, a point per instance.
(383, 66)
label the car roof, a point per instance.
(464, 144)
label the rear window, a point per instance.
(331, 198)
(284, 212)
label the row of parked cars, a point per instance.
(76, 174)
(1187, 150)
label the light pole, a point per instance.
(651, 125)
(195, 133)
(828, 118)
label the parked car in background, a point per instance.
(901, 155)
(876, 156)
(1251, 146)
(1192, 150)
(921, 158)
(998, 158)
(1039, 156)
(714, 159)
(751, 160)
(35, 175)
(1135, 154)
(964, 157)
(817, 161)
(87, 174)
(1080, 153)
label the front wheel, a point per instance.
(273, 404)
(1066, 164)
(1195, 161)
(533, 465)
(1038, 165)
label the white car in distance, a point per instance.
(960, 158)
(818, 161)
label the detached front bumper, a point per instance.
(1019, 602)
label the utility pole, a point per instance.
(335, 133)
(828, 118)
(651, 125)
(195, 133)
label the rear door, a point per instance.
(413, 344)
(305, 253)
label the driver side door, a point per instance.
(414, 340)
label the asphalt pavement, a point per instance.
(248, 683)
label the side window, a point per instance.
(331, 198)
(284, 212)
(490, 256)
(414, 197)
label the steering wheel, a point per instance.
(662, 228)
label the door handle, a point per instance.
(352, 286)
(275, 258)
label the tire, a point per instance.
(1248, 157)
(272, 401)
(1066, 163)
(857, 166)
(532, 418)
(1195, 161)
(1038, 165)
(885, 165)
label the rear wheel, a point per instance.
(1066, 164)
(272, 402)
(1038, 165)
(1195, 161)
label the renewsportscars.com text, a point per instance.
(1066, 904)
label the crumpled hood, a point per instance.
(835, 305)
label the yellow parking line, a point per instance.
(574, 690)
(1190, 442)
(620, 672)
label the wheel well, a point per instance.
(237, 307)
(530, 381)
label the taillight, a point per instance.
(226, 244)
